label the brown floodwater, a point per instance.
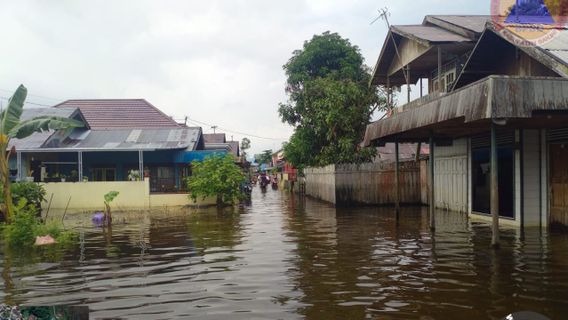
(286, 258)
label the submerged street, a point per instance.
(290, 258)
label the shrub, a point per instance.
(24, 229)
(216, 176)
(34, 193)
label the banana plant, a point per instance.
(11, 126)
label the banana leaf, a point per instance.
(11, 115)
(43, 123)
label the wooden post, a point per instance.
(397, 180)
(494, 188)
(388, 93)
(432, 198)
(440, 70)
(408, 83)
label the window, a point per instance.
(104, 174)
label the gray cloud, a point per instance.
(218, 62)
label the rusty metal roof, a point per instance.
(457, 113)
(81, 139)
(121, 113)
(472, 23)
(429, 34)
(214, 138)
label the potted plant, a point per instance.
(62, 177)
(85, 179)
(134, 175)
(74, 176)
(146, 172)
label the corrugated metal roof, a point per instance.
(121, 113)
(429, 33)
(472, 23)
(558, 46)
(114, 140)
(214, 138)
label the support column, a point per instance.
(432, 195)
(80, 166)
(440, 89)
(19, 176)
(408, 83)
(388, 93)
(141, 163)
(494, 188)
(397, 180)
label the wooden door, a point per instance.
(559, 183)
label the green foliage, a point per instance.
(34, 193)
(109, 197)
(44, 123)
(216, 176)
(245, 145)
(22, 232)
(11, 126)
(265, 157)
(330, 103)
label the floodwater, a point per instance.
(286, 258)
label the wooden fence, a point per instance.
(365, 184)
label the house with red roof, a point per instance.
(122, 140)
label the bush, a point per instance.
(216, 176)
(22, 232)
(32, 192)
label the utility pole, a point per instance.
(214, 128)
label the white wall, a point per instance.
(451, 176)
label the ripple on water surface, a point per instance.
(286, 258)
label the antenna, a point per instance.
(385, 14)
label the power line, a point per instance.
(28, 102)
(233, 131)
(32, 95)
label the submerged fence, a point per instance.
(364, 184)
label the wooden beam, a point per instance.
(397, 181)
(431, 191)
(494, 188)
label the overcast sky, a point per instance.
(217, 62)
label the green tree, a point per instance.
(12, 127)
(265, 157)
(329, 103)
(216, 176)
(245, 145)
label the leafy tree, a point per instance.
(265, 157)
(12, 127)
(217, 176)
(245, 145)
(329, 103)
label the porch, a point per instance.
(517, 125)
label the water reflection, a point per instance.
(291, 258)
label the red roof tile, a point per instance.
(121, 113)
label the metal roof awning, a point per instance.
(468, 110)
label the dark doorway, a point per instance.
(481, 172)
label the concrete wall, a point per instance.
(132, 195)
(451, 176)
(365, 184)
